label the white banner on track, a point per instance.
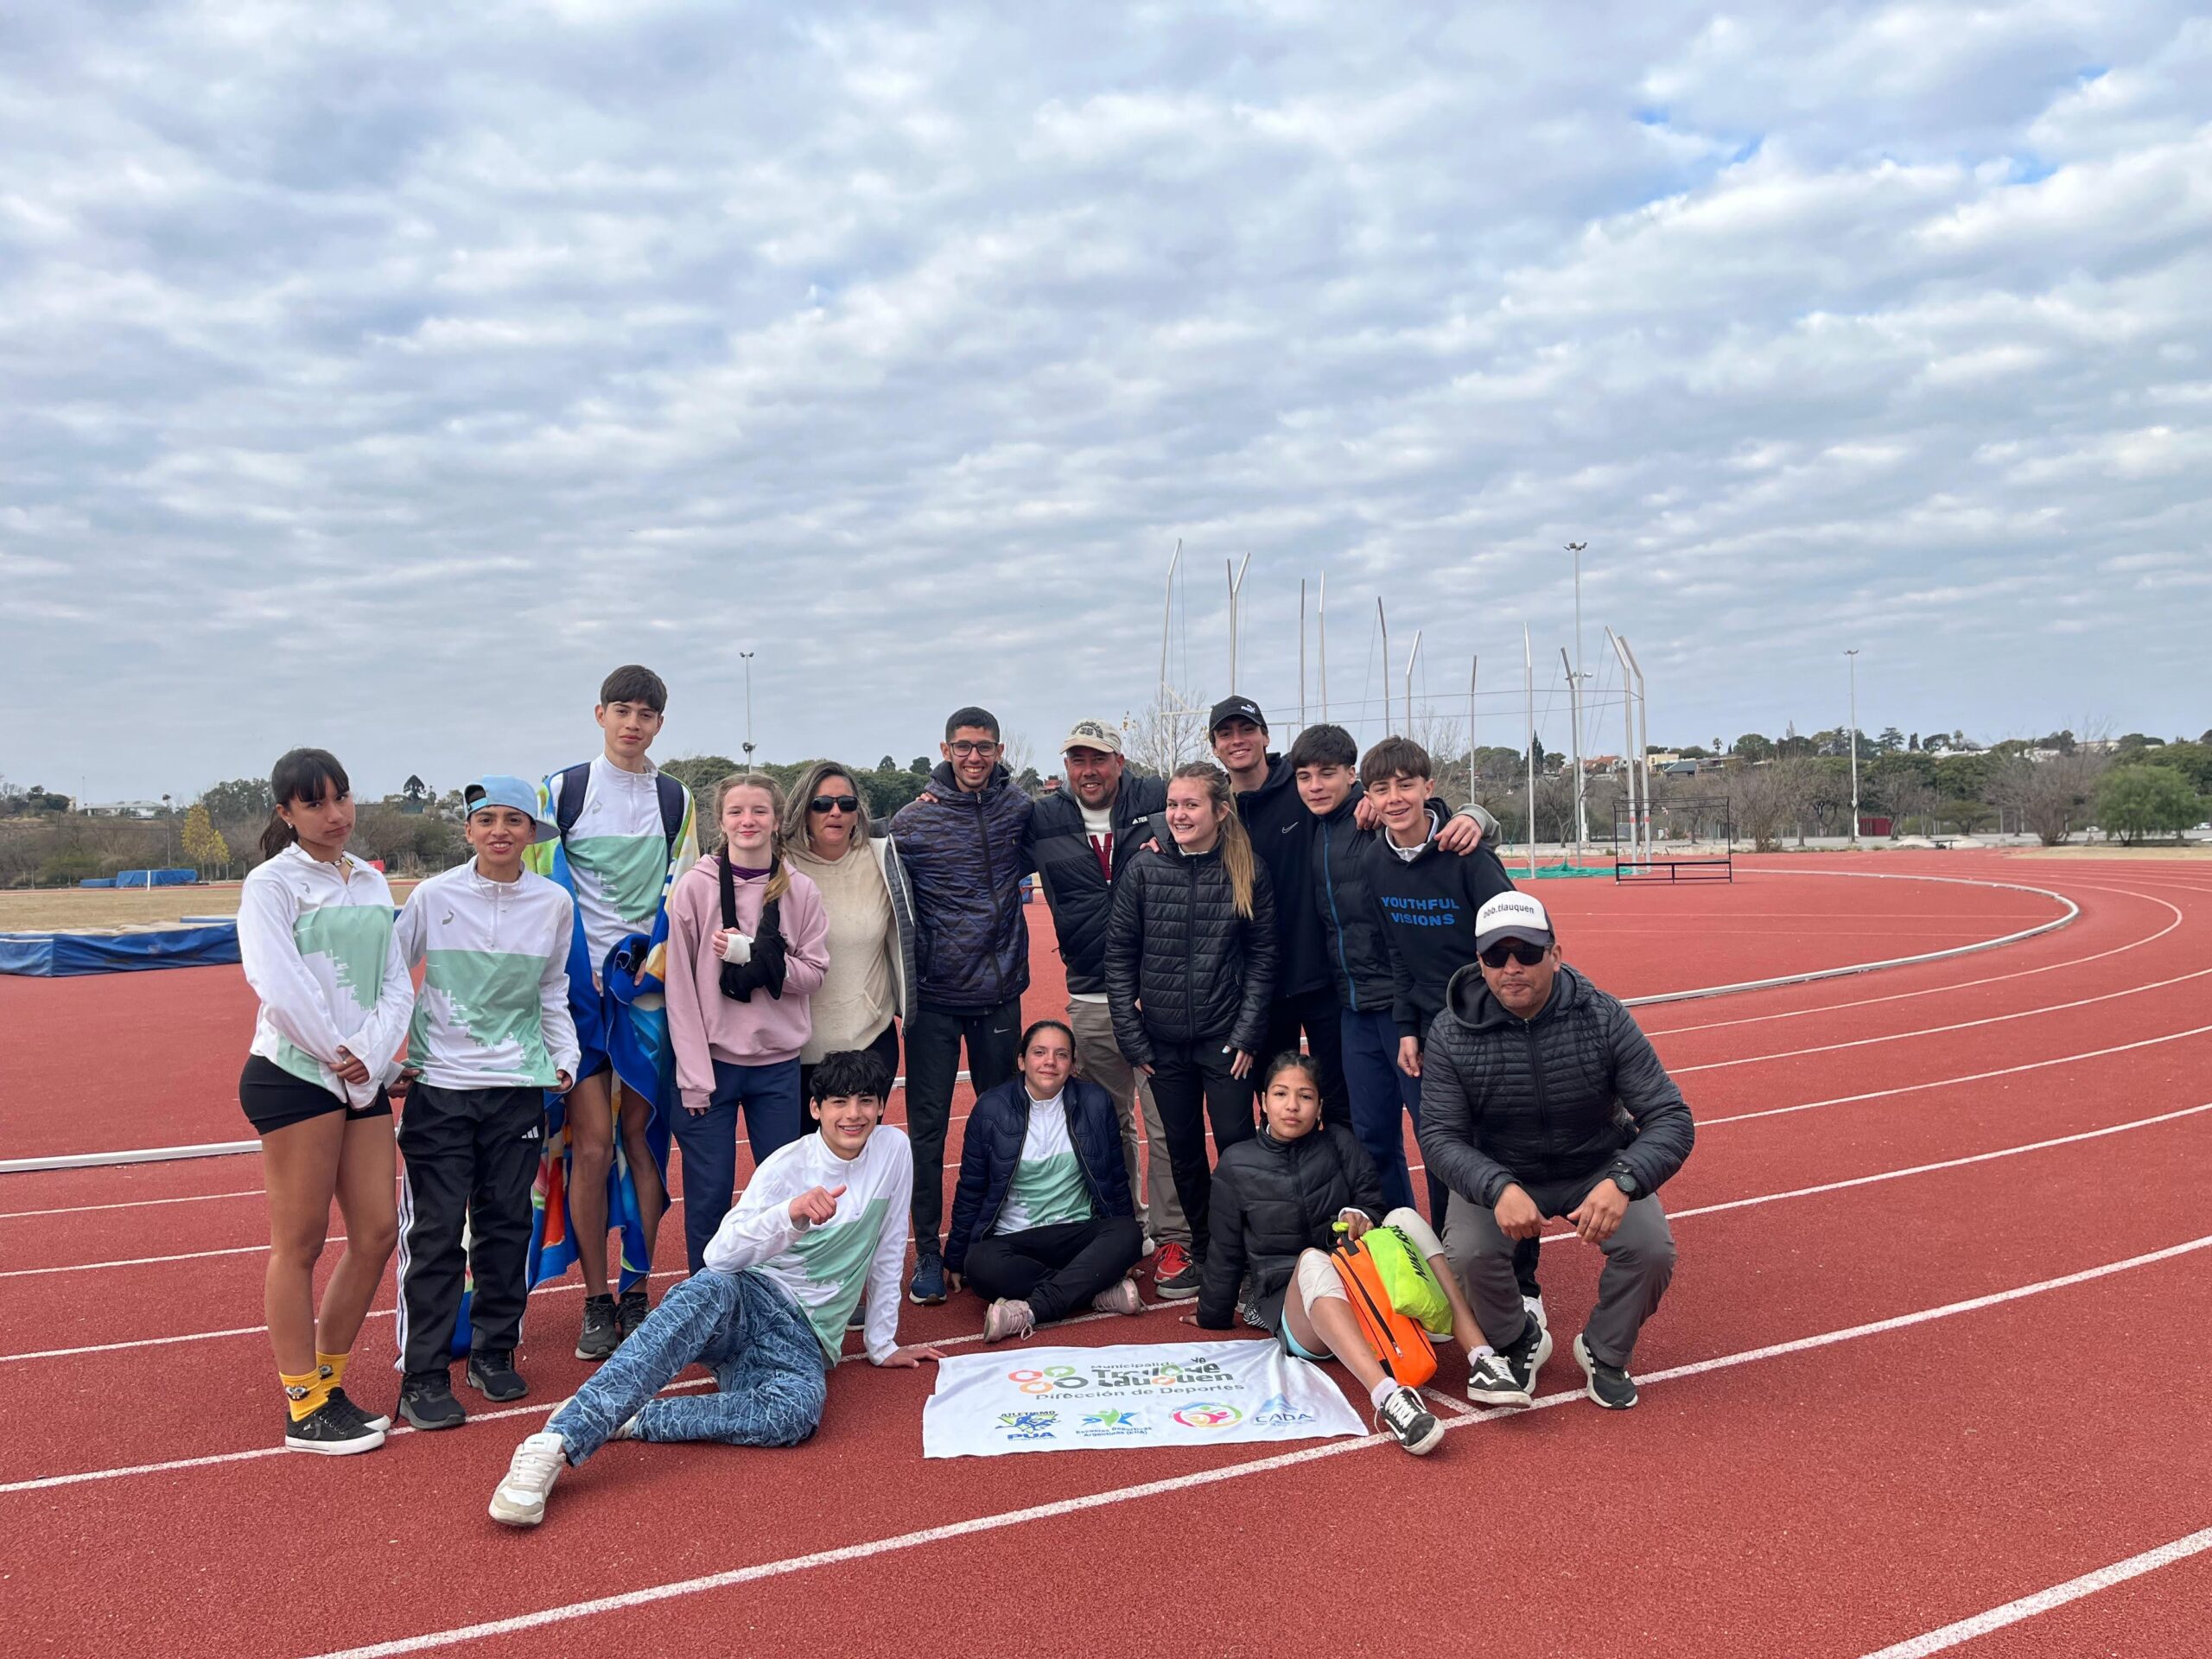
(1172, 1393)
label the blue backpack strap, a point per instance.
(569, 798)
(673, 799)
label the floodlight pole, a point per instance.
(1302, 653)
(747, 656)
(1473, 664)
(1851, 656)
(1236, 589)
(1642, 740)
(1528, 676)
(1574, 680)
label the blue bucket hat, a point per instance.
(494, 788)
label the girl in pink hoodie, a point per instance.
(747, 947)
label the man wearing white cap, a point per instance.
(1541, 1097)
(1081, 838)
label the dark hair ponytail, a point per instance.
(300, 775)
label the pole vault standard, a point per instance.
(1236, 591)
(1385, 627)
(1528, 675)
(1321, 639)
(1643, 742)
(1302, 653)
(1410, 657)
(1627, 742)
(1473, 662)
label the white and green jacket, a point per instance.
(825, 1269)
(494, 1010)
(320, 951)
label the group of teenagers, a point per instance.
(1299, 951)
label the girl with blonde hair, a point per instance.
(748, 948)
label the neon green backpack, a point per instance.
(1408, 1278)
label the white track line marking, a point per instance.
(2012, 1612)
(144, 1261)
(1945, 1083)
(540, 1409)
(1546, 1238)
(1938, 1031)
(133, 1204)
(1184, 1483)
(1963, 985)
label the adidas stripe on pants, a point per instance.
(471, 1156)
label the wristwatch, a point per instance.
(1621, 1176)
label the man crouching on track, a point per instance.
(1541, 1097)
(822, 1220)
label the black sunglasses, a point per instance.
(1519, 951)
(834, 803)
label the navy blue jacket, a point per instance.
(996, 1129)
(965, 856)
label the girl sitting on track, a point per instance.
(316, 939)
(747, 948)
(1276, 1199)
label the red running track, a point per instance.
(1828, 1499)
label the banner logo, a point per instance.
(1208, 1414)
(1110, 1421)
(1028, 1425)
(1052, 1378)
(1276, 1412)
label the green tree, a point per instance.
(2192, 760)
(202, 842)
(241, 800)
(2133, 802)
(1754, 747)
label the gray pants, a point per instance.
(1639, 1263)
(1152, 1182)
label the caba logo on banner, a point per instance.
(1276, 1412)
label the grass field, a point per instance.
(28, 909)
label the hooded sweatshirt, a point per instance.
(318, 946)
(708, 1026)
(494, 1011)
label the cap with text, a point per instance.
(1092, 734)
(1230, 708)
(1511, 916)
(494, 788)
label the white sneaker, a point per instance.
(519, 1500)
(1121, 1297)
(1008, 1317)
(1535, 1307)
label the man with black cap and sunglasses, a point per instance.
(1540, 1097)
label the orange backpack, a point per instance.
(1397, 1338)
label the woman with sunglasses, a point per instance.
(828, 834)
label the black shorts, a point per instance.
(275, 1099)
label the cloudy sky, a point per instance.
(377, 378)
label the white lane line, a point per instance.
(1546, 1238)
(1938, 1031)
(1945, 1083)
(2012, 1612)
(132, 1204)
(1945, 990)
(47, 1483)
(144, 1261)
(1203, 1477)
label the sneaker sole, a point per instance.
(1502, 1397)
(432, 1424)
(597, 1354)
(1166, 1294)
(336, 1448)
(1590, 1382)
(514, 1393)
(509, 1515)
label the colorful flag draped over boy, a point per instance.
(626, 1019)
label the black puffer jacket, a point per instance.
(965, 856)
(1076, 886)
(1282, 829)
(1560, 1097)
(1176, 945)
(1271, 1199)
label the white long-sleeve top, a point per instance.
(493, 1009)
(825, 1269)
(320, 951)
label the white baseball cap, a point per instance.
(1511, 916)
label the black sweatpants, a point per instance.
(933, 1039)
(1320, 1015)
(471, 1156)
(1058, 1270)
(1190, 1083)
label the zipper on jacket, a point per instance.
(998, 914)
(1329, 883)
(1191, 952)
(1536, 1081)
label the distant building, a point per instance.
(117, 809)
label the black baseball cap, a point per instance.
(1230, 708)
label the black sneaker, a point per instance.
(1527, 1355)
(491, 1373)
(1492, 1381)
(1178, 1286)
(1609, 1385)
(333, 1433)
(630, 1313)
(352, 1407)
(602, 1328)
(1412, 1423)
(426, 1401)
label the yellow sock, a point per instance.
(305, 1394)
(333, 1367)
